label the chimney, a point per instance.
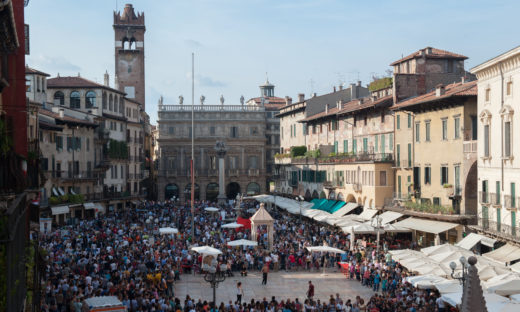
(439, 90)
(341, 87)
(353, 91)
(314, 94)
(428, 50)
(301, 97)
(359, 83)
(338, 104)
(326, 108)
(360, 101)
(334, 89)
(463, 79)
(374, 98)
(107, 81)
(61, 112)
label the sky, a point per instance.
(304, 46)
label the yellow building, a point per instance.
(436, 150)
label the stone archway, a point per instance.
(323, 195)
(252, 189)
(332, 195)
(212, 191)
(171, 190)
(351, 198)
(187, 192)
(232, 189)
(340, 197)
(315, 195)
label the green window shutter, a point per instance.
(390, 141)
(409, 155)
(336, 150)
(377, 144)
(345, 146)
(398, 155)
(399, 185)
(513, 195)
(498, 192)
(398, 122)
(354, 146)
(409, 120)
(365, 145)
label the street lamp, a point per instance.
(300, 199)
(376, 222)
(214, 275)
(461, 276)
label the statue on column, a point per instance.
(181, 100)
(221, 99)
(220, 148)
(202, 99)
(242, 100)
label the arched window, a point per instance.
(115, 103)
(126, 44)
(90, 99)
(38, 84)
(75, 99)
(253, 188)
(132, 44)
(110, 103)
(104, 100)
(59, 98)
(121, 105)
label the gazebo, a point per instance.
(262, 217)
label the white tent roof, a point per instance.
(515, 267)
(211, 209)
(494, 302)
(472, 239)
(291, 205)
(103, 302)
(206, 250)
(89, 205)
(389, 216)
(504, 254)
(242, 242)
(426, 281)
(450, 286)
(365, 228)
(506, 288)
(325, 249)
(367, 214)
(168, 230)
(261, 215)
(428, 226)
(233, 225)
(60, 210)
(345, 209)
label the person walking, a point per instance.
(310, 291)
(240, 292)
(265, 270)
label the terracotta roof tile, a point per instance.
(332, 111)
(435, 53)
(29, 70)
(76, 82)
(355, 105)
(451, 90)
(66, 118)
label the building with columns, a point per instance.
(242, 129)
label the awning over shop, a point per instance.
(60, 210)
(367, 214)
(89, 206)
(345, 209)
(504, 254)
(472, 239)
(135, 202)
(389, 216)
(99, 208)
(428, 226)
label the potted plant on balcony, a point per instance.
(448, 188)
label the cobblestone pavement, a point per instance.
(281, 284)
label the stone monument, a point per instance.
(220, 148)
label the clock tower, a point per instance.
(129, 32)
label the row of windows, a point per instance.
(40, 83)
(173, 163)
(507, 147)
(509, 91)
(496, 198)
(114, 104)
(73, 143)
(233, 131)
(444, 132)
(378, 146)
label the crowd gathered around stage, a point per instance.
(123, 254)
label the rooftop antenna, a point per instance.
(266, 77)
(312, 86)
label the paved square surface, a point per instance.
(281, 284)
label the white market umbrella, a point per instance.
(233, 225)
(206, 250)
(211, 209)
(507, 288)
(425, 281)
(242, 242)
(168, 230)
(450, 286)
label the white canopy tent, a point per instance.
(291, 205)
(428, 226)
(242, 242)
(168, 230)
(211, 209)
(366, 215)
(494, 302)
(57, 210)
(472, 239)
(450, 286)
(504, 254)
(325, 249)
(425, 281)
(233, 225)
(515, 267)
(345, 209)
(206, 250)
(389, 216)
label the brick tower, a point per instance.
(129, 53)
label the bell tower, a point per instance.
(129, 32)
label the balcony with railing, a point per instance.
(483, 197)
(211, 108)
(470, 147)
(253, 172)
(70, 175)
(340, 159)
(511, 202)
(357, 187)
(499, 229)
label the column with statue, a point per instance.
(220, 148)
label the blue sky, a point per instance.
(305, 45)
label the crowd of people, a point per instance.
(123, 254)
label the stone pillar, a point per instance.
(472, 295)
(221, 150)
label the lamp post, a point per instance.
(461, 276)
(376, 222)
(300, 199)
(214, 275)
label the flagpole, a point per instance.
(192, 147)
